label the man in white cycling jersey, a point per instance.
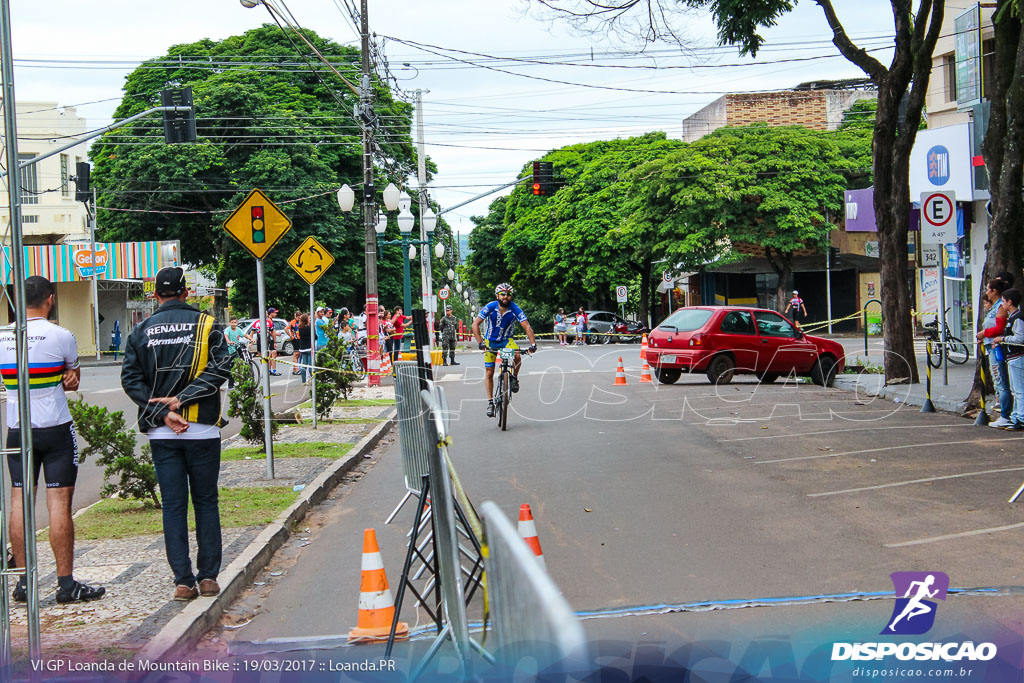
(500, 317)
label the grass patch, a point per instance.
(352, 403)
(314, 449)
(239, 507)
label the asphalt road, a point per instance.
(101, 385)
(650, 494)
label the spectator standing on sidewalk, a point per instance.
(305, 345)
(799, 314)
(993, 326)
(320, 328)
(293, 333)
(234, 336)
(53, 369)
(560, 327)
(581, 327)
(398, 333)
(174, 364)
(1013, 351)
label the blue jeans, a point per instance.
(305, 359)
(1015, 366)
(183, 465)
(1000, 379)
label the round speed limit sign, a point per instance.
(443, 293)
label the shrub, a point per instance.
(109, 439)
(332, 380)
(246, 403)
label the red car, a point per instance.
(723, 341)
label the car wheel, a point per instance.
(721, 369)
(668, 375)
(767, 377)
(824, 371)
(287, 348)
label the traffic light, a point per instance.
(179, 126)
(833, 257)
(543, 179)
(538, 187)
(82, 193)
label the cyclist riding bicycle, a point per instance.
(500, 317)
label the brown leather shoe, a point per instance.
(209, 587)
(185, 593)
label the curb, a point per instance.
(185, 630)
(942, 405)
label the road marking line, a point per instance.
(451, 377)
(888, 448)
(913, 481)
(104, 391)
(840, 431)
(976, 532)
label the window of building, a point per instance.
(65, 182)
(949, 80)
(29, 181)
(30, 218)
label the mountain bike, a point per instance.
(502, 388)
(352, 361)
(956, 351)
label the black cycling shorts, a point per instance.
(271, 342)
(54, 449)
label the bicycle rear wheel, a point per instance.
(935, 354)
(356, 365)
(506, 400)
(499, 404)
(957, 350)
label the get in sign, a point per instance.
(938, 217)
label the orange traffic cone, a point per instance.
(528, 532)
(620, 374)
(643, 347)
(376, 606)
(385, 364)
(645, 373)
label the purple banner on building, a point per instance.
(860, 210)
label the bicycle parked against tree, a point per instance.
(956, 351)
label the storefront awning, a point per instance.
(114, 261)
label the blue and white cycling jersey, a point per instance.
(498, 326)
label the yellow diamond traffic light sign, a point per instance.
(257, 224)
(311, 260)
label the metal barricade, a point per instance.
(412, 433)
(531, 618)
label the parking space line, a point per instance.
(843, 431)
(913, 481)
(964, 534)
(887, 448)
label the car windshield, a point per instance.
(687, 319)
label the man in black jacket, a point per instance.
(174, 364)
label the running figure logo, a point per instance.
(914, 613)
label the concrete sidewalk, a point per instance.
(137, 618)
(946, 397)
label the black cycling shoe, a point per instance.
(80, 592)
(513, 383)
(20, 593)
(490, 410)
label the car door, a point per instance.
(783, 349)
(738, 334)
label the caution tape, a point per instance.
(826, 323)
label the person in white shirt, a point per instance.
(53, 369)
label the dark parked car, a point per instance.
(605, 326)
(723, 341)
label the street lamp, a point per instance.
(451, 274)
(346, 202)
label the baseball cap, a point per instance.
(170, 281)
(319, 308)
(448, 308)
(271, 310)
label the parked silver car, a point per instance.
(605, 326)
(285, 347)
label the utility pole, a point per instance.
(369, 208)
(425, 271)
(95, 285)
(20, 339)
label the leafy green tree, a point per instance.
(902, 87)
(264, 119)
(333, 381)
(245, 402)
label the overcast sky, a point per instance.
(490, 123)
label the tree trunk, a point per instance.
(782, 264)
(1003, 149)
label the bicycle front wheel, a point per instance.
(499, 404)
(506, 400)
(356, 366)
(935, 354)
(957, 350)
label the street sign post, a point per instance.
(938, 226)
(258, 225)
(621, 297)
(311, 260)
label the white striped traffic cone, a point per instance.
(528, 532)
(376, 605)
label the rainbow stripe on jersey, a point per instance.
(40, 375)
